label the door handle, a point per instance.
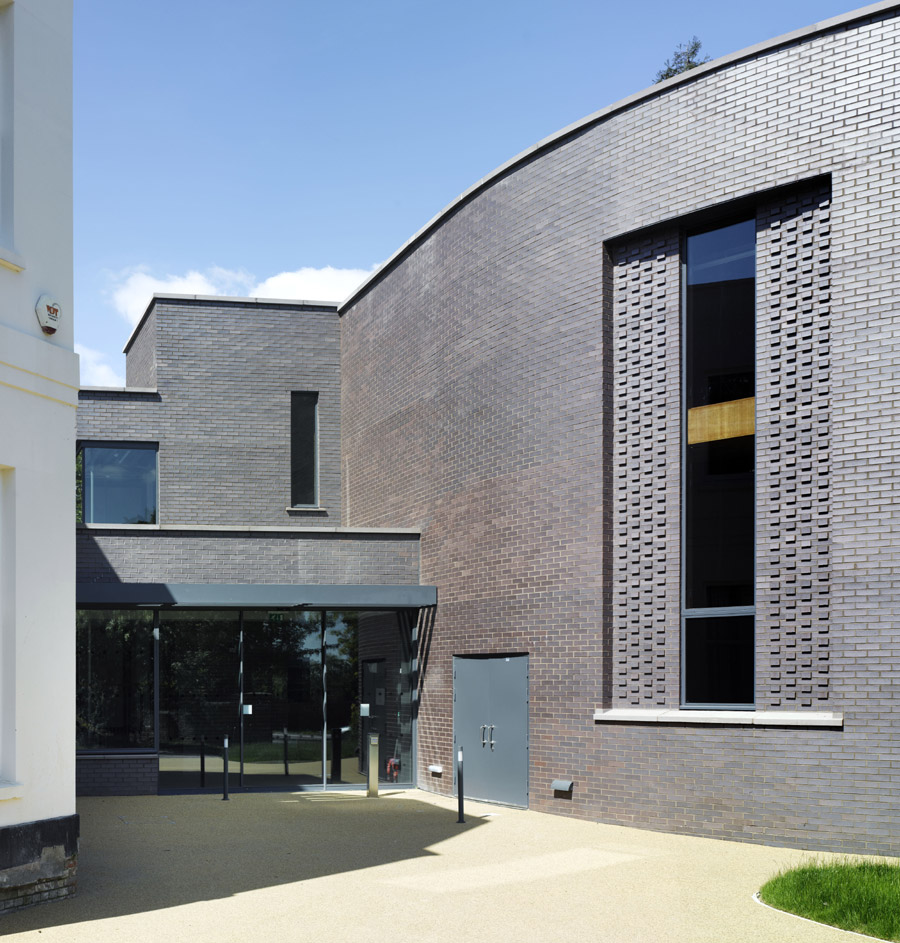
(483, 728)
(491, 735)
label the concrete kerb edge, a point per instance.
(815, 923)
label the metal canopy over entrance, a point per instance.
(255, 596)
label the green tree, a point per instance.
(684, 59)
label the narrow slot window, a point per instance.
(304, 449)
(719, 473)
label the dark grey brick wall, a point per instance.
(646, 573)
(234, 557)
(124, 775)
(140, 359)
(798, 787)
(224, 374)
(475, 376)
(793, 451)
(792, 457)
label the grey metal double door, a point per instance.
(490, 723)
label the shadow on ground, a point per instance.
(140, 854)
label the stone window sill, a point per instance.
(10, 790)
(119, 389)
(254, 528)
(300, 508)
(118, 526)
(643, 715)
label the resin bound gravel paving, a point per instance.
(339, 866)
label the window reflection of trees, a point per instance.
(283, 685)
(114, 693)
(198, 677)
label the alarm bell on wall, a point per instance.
(47, 311)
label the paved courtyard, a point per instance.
(338, 867)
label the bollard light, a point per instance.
(373, 765)
(225, 772)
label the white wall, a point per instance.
(38, 396)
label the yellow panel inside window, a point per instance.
(728, 420)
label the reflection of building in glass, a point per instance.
(628, 405)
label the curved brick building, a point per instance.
(631, 404)
(639, 391)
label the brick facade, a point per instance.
(224, 372)
(176, 556)
(478, 372)
(140, 362)
(510, 386)
(214, 382)
(792, 458)
(117, 775)
(646, 464)
(793, 449)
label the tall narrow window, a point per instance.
(304, 449)
(720, 375)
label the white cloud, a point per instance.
(132, 289)
(230, 281)
(94, 369)
(313, 284)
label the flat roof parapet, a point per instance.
(226, 300)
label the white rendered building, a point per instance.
(38, 397)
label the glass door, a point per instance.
(341, 718)
(198, 675)
(283, 699)
(297, 694)
(385, 690)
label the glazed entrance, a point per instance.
(296, 693)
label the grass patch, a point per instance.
(863, 896)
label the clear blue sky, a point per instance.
(243, 148)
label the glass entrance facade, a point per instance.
(295, 692)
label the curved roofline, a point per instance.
(750, 52)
